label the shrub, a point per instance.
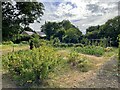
(68, 45)
(56, 41)
(79, 45)
(7, 43)
(108, 49)
(91, 50)
(81, 62)
(19, 38)
(63, 45)
(45, 42)
(32, 66)
(36, 41)
(24, 42)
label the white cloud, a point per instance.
(80, 12)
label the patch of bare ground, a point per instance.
(7, 82)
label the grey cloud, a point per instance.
(93, 7)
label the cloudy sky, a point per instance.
(81, 13)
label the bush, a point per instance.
(108, 49)
(60, 45)
(79, 45)
(91, 50)
(24, 42)
(7, 43)
(32, 66)
(45, 42)
(36, 41)
(68, 45)
(56, 41)
(79, 61)
(20, 38)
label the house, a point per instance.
(41, 34)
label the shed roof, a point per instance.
(41, 34)
(28, 32)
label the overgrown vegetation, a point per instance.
(28, 67)
(91, 50)
(81, 62)
(7, 43)
(33, 66)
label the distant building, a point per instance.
(41, 34)
(27, 33)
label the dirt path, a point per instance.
(105, 77)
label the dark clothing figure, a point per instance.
(31, 45)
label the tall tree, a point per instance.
(50, 29)
(65, 31)
(108, 30)
(72, 35)
(19, 14)
(92, 28)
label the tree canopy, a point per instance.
(19, 14)
(108, 30)
(17, 17)
(64, 31)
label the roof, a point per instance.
(28, 32)
(41, 34)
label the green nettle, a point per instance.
(32, 66)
